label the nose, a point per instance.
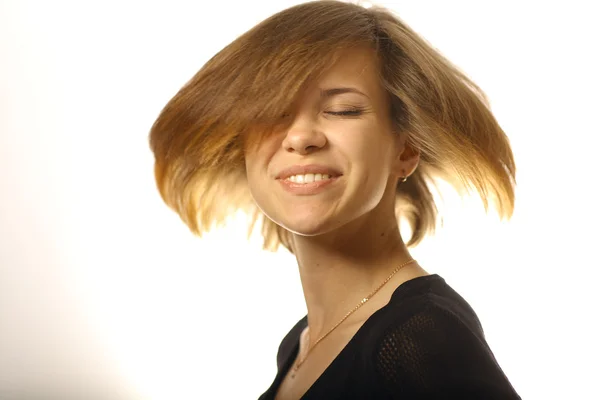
(303, 137)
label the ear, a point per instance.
(407, 158)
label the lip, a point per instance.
(308, 169)
(305, 189)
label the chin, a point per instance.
(308, 226)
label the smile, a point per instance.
(303, 186)
(308, 178)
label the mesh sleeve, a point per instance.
(433, 354)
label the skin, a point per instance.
(346, 238)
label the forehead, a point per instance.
(356, 68)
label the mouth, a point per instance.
(307, 187)
(305, 179)
(308, 173)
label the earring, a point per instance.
(403, 178)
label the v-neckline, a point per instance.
(344, 352)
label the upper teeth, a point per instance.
(307, 178)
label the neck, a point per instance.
(339, 269)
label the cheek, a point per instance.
(372, 166)
(258, 181)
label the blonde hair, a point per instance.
(198, 140)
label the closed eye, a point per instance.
(347, 112)
(338, 113)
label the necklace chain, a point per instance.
(362, 302)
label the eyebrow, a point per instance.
(335, 91)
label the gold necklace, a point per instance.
(363, 301)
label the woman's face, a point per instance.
(358, 150)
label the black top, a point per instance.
(426, 343)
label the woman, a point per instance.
(329, 122)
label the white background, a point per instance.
(105, 294)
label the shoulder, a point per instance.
(432, 345)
